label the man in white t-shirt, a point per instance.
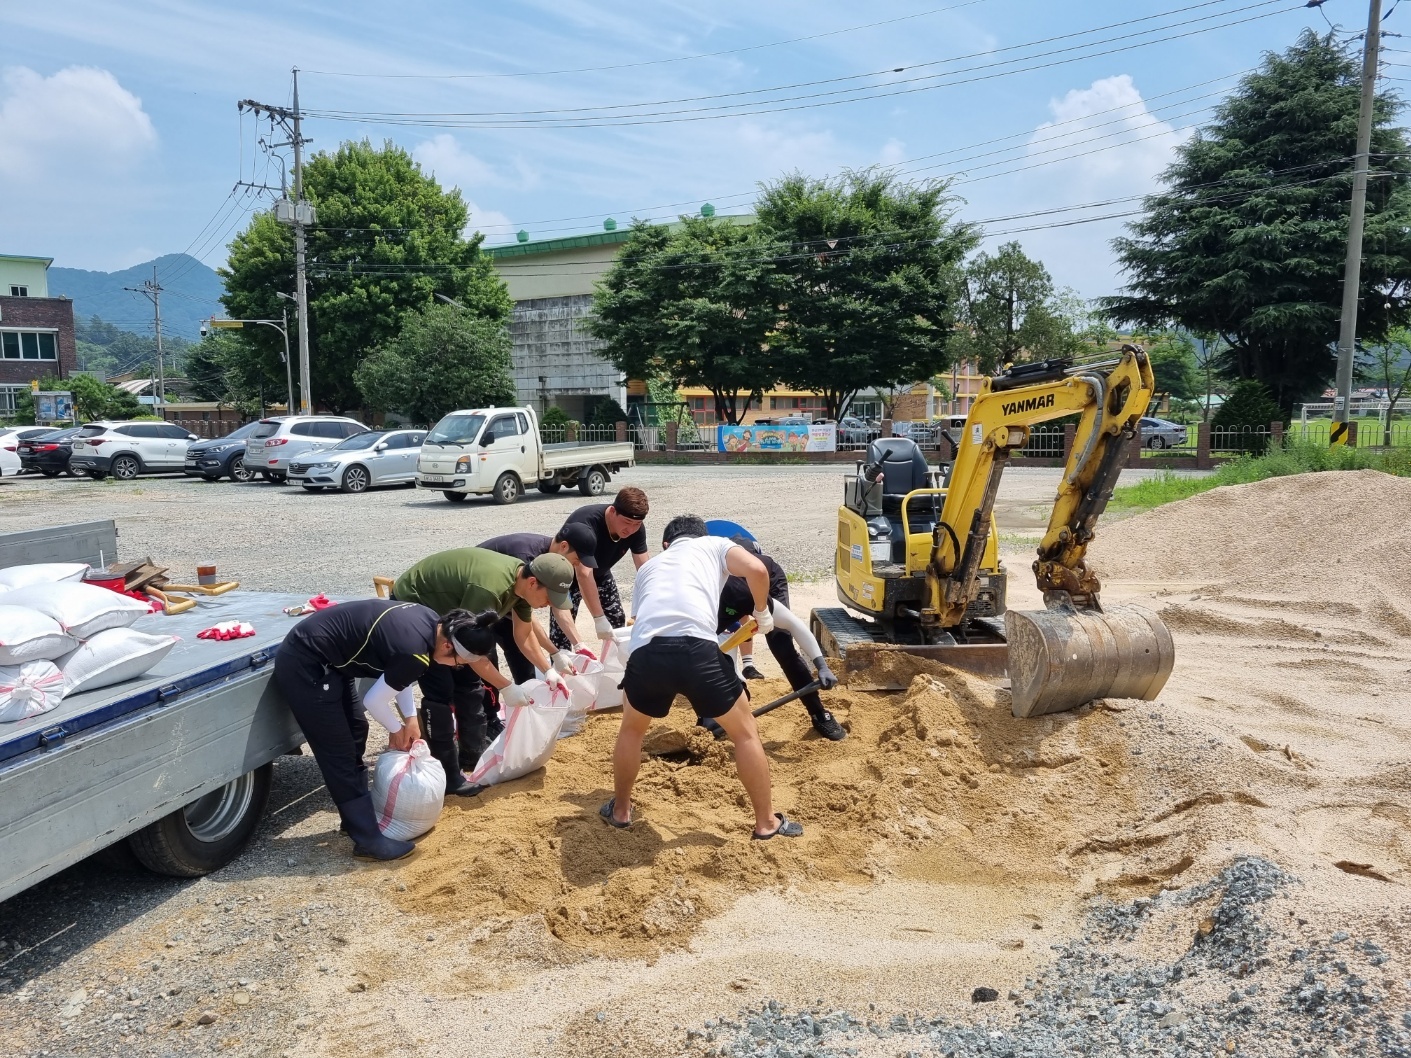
(674, 652)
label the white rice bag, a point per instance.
(82, 610)
(29, 689)
(527, 742)
(111, 657)
(28, 635)
(408, 788)
(13, 577)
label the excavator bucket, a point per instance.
(1061, 658)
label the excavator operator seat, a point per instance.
(903, 469)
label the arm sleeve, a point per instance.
(382, 702)
(793, 624)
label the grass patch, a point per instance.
(1295, 457)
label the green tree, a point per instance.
(872, 280)
(607, 412)
(388, 239)
(225, 367)
(694, 306)
(92, 400)
(1387, 367)
(1247, 412)
(443, 358)
(1173, 362)
(555, 418)
(1248, 239)
(1010, 312)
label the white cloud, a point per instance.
(893, 152)
(78, 117)
(1105, 135)
(453, 166)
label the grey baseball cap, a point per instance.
(555, 573)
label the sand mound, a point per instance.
(1307, 533)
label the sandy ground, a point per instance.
(948, 845)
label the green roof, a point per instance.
(45, 261)
(595, 238)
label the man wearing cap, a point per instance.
(574, 542)
(474, 579)
(617, 528)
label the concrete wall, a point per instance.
(555, 274)
(32, 272)
(551, 341)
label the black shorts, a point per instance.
(667, 666)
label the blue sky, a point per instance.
(120, 140)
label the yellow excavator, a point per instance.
(917, 553)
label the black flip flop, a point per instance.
(787, 828)
(606, 813)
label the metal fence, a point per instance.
(1239, 440)
(1371, 433)
(1045, 442)
(647, 438)
(597, 434)
(553, 435)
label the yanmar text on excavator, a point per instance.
(917, 554)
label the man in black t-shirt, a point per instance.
(736, 603)
(575, 542)
(618, 528)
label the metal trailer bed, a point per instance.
(178, 761)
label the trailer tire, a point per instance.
(593, 481)
(455, 497)
(507, 488)
(209, 832)
(549, 486)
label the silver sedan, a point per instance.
(1162, 433)
(379, 457)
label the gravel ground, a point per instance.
(105, 959)
(281, 538)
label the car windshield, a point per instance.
(248, 430)
(362, 440)
(456, 429)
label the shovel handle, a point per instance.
(769, 707)
(747, 630)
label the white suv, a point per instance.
(126, 449)
(278, 439)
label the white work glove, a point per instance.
(603, 627)
(562, 662)
(764, 620)
(555, 681)
(513, 696)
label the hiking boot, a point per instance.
(752, 673)
(825, 724)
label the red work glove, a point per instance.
(321, 602)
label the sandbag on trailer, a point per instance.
(13, 578)
(28, 635)
(29, 689)
(81, 609)
(114, 656)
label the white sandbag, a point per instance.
(82, 610)
(407, 791)
(527, 742)
(28, 635)
(609, 677)
(29, 689)
(111, 657)
(14, 577)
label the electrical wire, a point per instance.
(734, 110)
(647, 62)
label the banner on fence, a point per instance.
(792, 438)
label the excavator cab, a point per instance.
(917, 550)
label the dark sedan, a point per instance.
(49, 453)
(221, 457)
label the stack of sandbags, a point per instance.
(59, 636)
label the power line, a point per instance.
(453, 120)
(649, 62)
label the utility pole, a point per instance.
(299, 214)
(152, 291)
(1352, 275)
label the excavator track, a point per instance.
(871, 663)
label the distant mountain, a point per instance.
(190, 293)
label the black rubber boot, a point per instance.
(368, 841)
(444, 750)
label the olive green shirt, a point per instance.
(466, 578)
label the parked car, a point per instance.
(852, 430)
(1162, 433)
(378, 457)
(11, 437)
(126, 449)
(221, 456)
(276, 441)
(49, 453)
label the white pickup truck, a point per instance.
(497, 451)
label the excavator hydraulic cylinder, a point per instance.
(1061, 658)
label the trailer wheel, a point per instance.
(454, 497)
(594, 482)
(209, 832)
